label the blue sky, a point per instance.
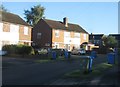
(94, 17)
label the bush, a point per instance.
(24, 49)
(11, 49)
(102, 50)
(18, 49)
(118, 51)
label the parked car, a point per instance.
(60, 52)
(41, 51)
(3, 53)
(80, 51)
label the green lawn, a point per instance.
(96, 71)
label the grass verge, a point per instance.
(96, 71)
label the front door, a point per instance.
(67, 46)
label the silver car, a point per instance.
(80, 51)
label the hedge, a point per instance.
(18, 49)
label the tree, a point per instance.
(104, 40)
(109, 41)
(34, 14)
(2, 8)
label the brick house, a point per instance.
(57, 34)
(96, 39)
(13, 30)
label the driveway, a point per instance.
(27, 72)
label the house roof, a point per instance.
(60, 25)
(12, 18)
(95, 36)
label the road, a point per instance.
(31, 73)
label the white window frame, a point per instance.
(25, 30)
(56, 33)
(67, 34)
(39, 35)
(14, 28)
(77, 35)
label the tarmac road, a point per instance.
(29, 73)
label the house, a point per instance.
(13, 30)
(56, 34)
(117, 37)
(96, 39)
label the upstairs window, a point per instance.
(66, 34)
(25, 30)
(56, 33)
(14, 28)
(39, 35)
(77, 35)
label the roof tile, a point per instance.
(12, 18)
(59, 25)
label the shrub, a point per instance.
(118, 51)
(18, 49)
(102, 50)
(11, 49)
(24, 49)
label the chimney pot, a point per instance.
(65, 21)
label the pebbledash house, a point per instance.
(56, 34)
(13, 30)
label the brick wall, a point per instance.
(60, 40)
(46, 35)
(23, 37)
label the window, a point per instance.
(56, 33)
(67, 46)
(26, 43)
(67, 34)
(47, 44)
(14, 28)
(25, 30)
(1, 27)
(39, 35)
(77, 35)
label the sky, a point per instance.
(94, 17)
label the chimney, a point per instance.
(65, 21)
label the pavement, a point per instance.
(19, 71)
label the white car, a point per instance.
(80, 51)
